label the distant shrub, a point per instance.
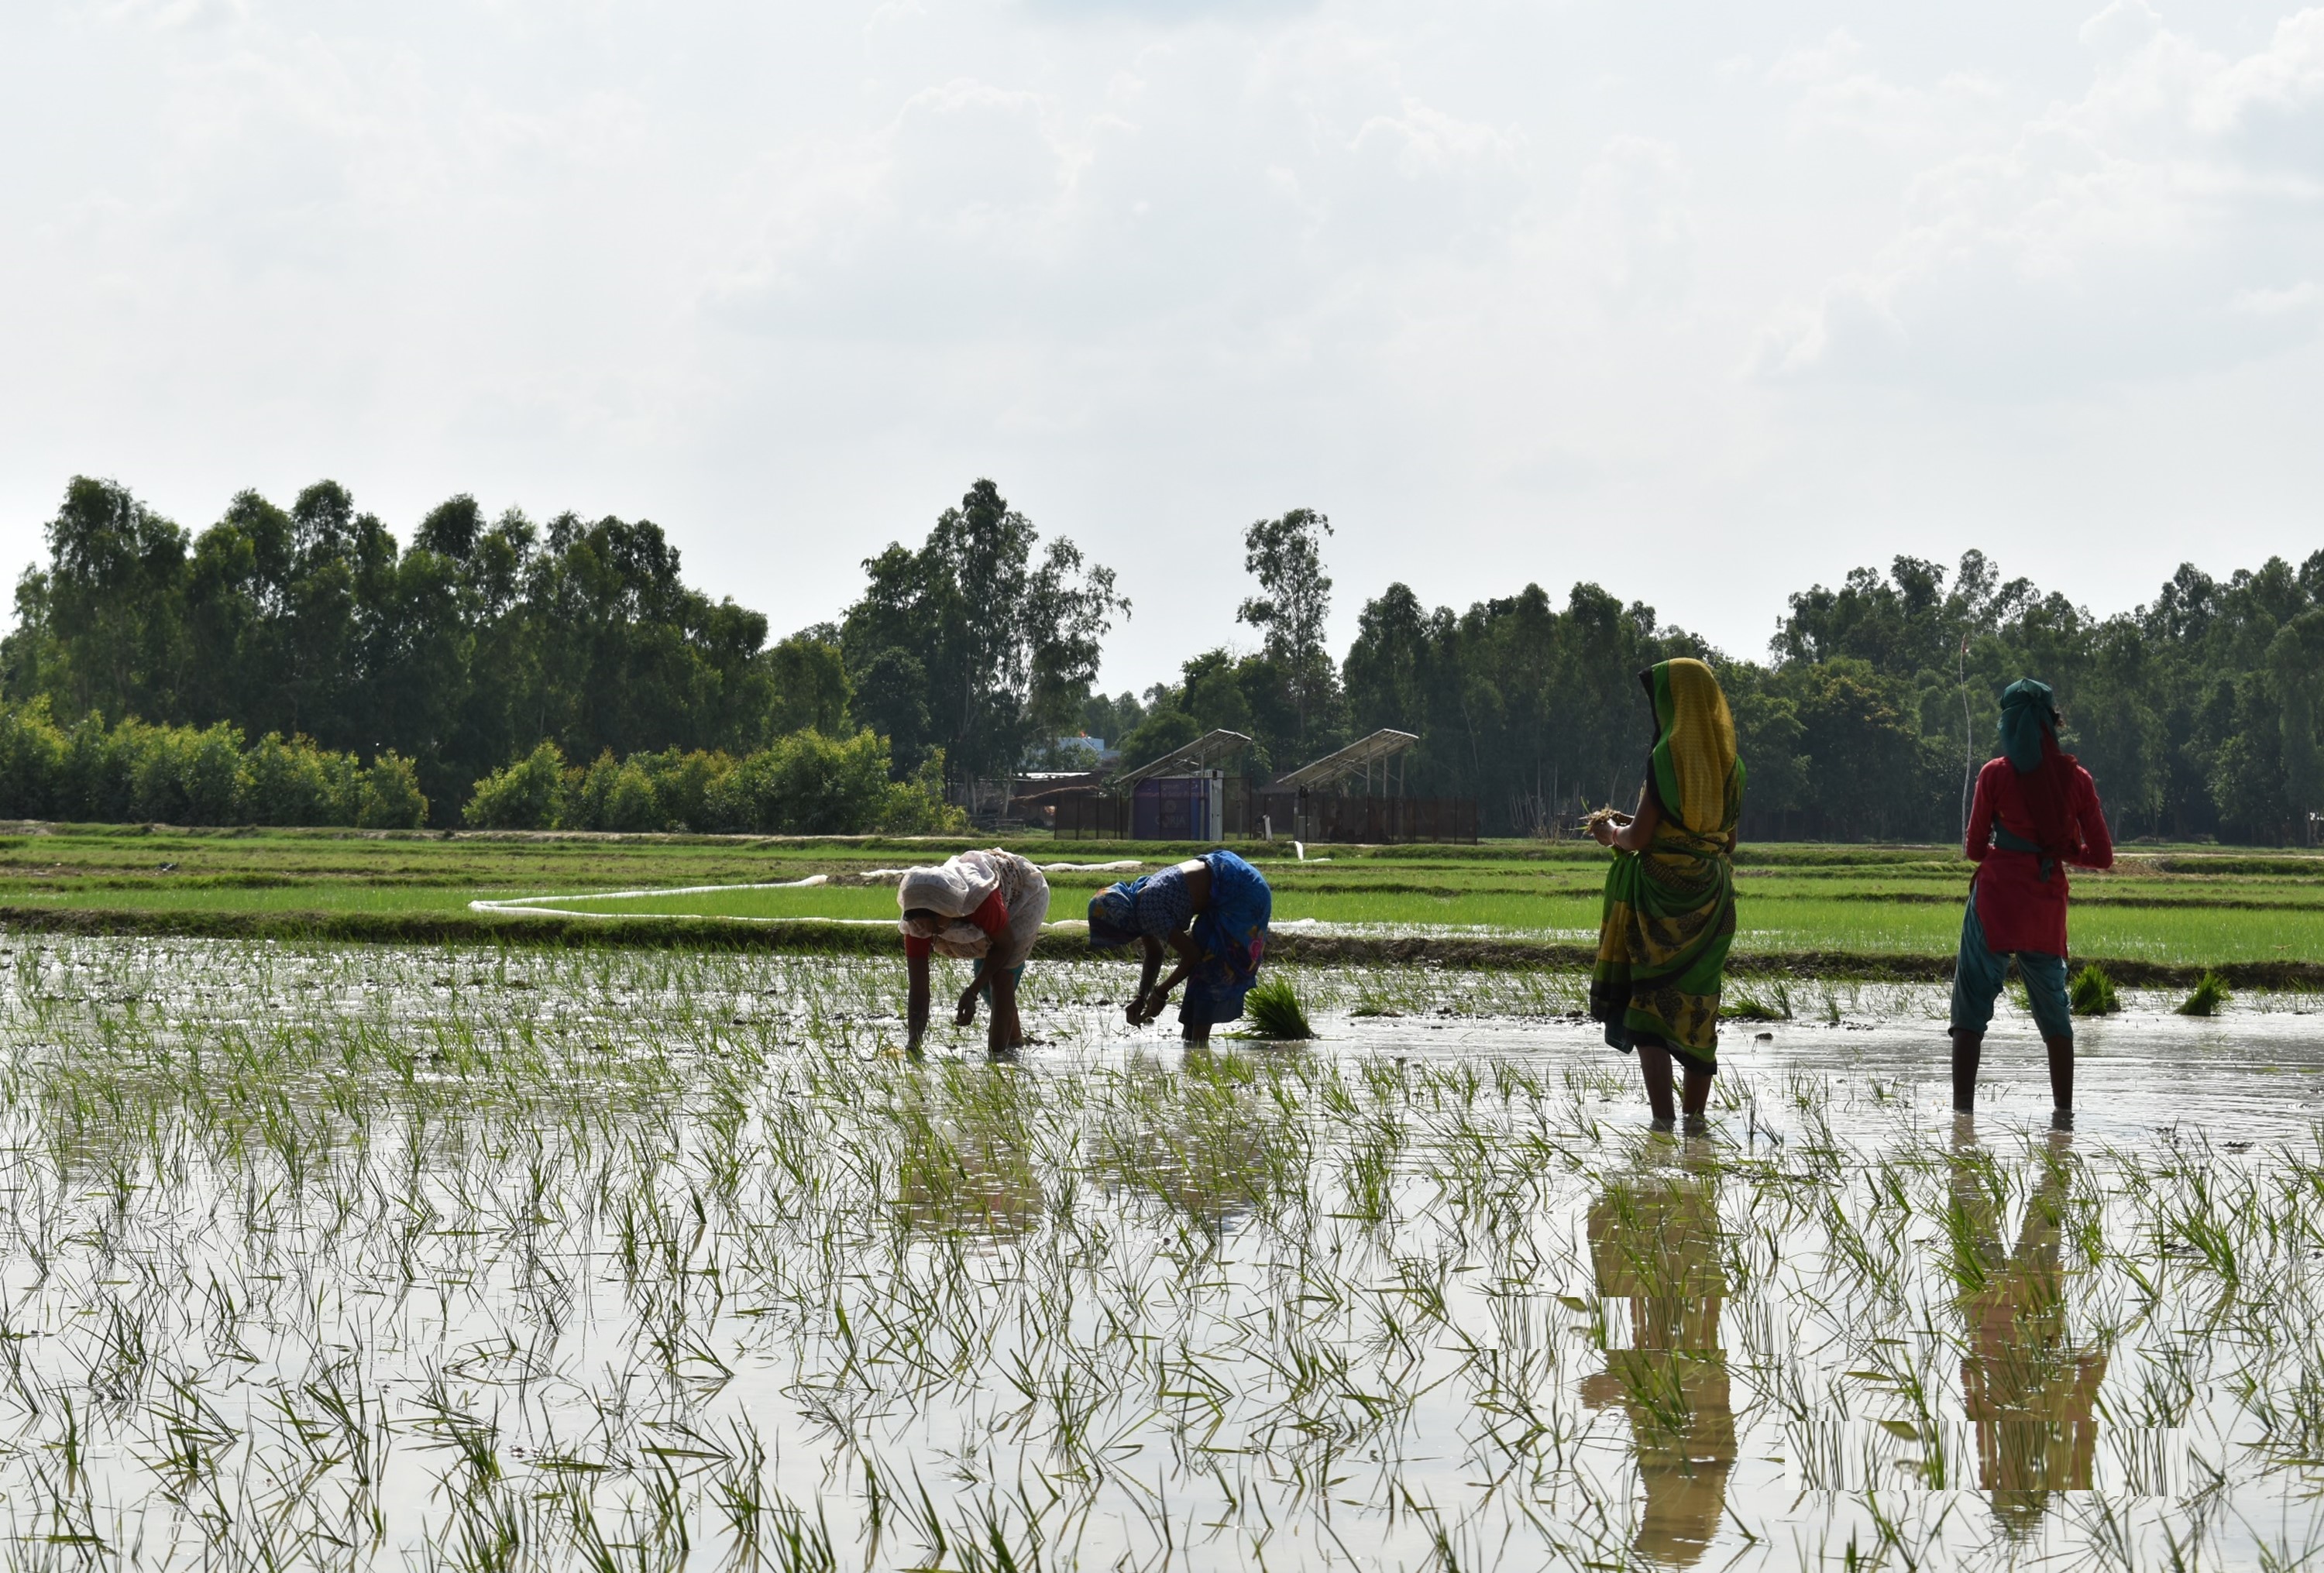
(178, 775)
(32, 761)
(805, 784)
(392, 799)
(634, 805)
(186, 775)
(528, 794)
(681, 784)
(917, 807)
(588, 792)
(285, 782)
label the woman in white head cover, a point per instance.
(985, 906)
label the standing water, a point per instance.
(372, 1257)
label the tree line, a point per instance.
(2200, 713)
(566, 676)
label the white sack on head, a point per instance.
(955, 888)
(952, 890)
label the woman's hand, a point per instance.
(1627, 832)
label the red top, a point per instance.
(2020, 911)
(993, 918)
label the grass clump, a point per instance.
(2211, 993)
(1750, 1005)
(1276, 1011)
(2092, 992)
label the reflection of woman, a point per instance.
(2036, 810)
(985, 906)
(1653, 1241)
(1670, 896)
(2031, 1392)
(1213, 911)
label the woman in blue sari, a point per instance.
(1213, 911)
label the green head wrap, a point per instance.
(2028, 709)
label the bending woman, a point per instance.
(1670, 896)
(983, 907)
(2036, 810)
(1213, 911)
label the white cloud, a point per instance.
(1632, 225)
(1492, 284)
(2296, 298)
(2119, 235)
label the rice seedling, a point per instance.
(368, 1257)
(2210, 994)
(1275, 1010)
(1747, 1002)
(2092, 992)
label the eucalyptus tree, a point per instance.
(982, 641)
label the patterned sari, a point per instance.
(1669, 910)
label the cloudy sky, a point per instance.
(1702, 301)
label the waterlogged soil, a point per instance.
(366, 1256)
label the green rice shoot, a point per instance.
(2210, 994)
(2093, 993)
(1275, 1011)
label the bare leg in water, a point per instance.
(1654, 1065)
(2061, 1082)
(1969, 1048)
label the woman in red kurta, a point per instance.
(2036, 811)
(985, 906)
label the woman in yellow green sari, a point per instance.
(1670, 894)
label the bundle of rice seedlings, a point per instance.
(1275, 1011)
(1748, 1004)
(2211, 993)
(2092, 992)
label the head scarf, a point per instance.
(951, 891)
(1694, 758)
(1113, 915)
(2029, 741)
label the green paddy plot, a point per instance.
(1872, 908)
(2178, 906)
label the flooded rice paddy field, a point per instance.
(379, 1257)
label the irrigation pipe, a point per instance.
(523, 904)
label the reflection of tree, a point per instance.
(966, 1167)
(2030, 1391)
(1653, 1241)
(1204, 1143)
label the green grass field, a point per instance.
(2177, 906)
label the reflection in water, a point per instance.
(2028, 1388)
(1653, 1241)
(964, 1164)
(1205, 1140)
